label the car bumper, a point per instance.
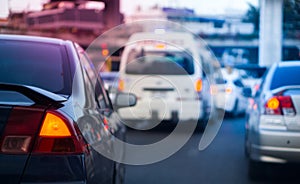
(167, 110)
(73, 182)
(225, 101)
(276, 146)
(48, 169)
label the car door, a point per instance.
(102, 112)
(257, 107)
(242, 101)
(112, 119)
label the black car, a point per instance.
(57, 123)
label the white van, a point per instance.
(164, 71)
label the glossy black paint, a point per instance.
(87, 108)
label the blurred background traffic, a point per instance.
(236, 41)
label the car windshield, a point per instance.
(285, 76)
(35, 64)
(165, 63)
(254, 74)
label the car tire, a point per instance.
(246, 148)
(201, 124)
(235, 112)
(119, 173)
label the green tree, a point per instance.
(291, 17)
(252, 16)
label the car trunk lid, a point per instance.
(22, 110)
(167, 87)
(290, 106)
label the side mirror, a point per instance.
(247, 92)
(125, 100)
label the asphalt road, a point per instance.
(222, 162)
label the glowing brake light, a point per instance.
(105, 52)
(273, 103)
(256, 87)
(198, 85)
(59, 135)
(29, 130)
(228, 90)
(160, 46)
(121, 85)
(54, 126)
(280, 105)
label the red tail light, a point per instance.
(256, 87)
(280, 105)
(20, 130)
(58, 134)
(104, 51)
(24, 133)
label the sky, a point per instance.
(204, 7)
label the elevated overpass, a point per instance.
(68, 23)
(68, 19)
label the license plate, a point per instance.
(292, 123)
(159, 94)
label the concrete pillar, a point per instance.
(112, 14)
(270, 34)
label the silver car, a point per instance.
(273, 123)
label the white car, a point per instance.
(229, 96)
(251, 75)
(164, 71)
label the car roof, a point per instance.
(289, 64)
(177, 38)
(32, 39)
(231, 76)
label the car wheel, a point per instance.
(201, 124)
(119, 173)
(247, 145)
(235, 112)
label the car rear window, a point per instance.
(36, 64)
(238, 83)
(162, 63)
(285, 76)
